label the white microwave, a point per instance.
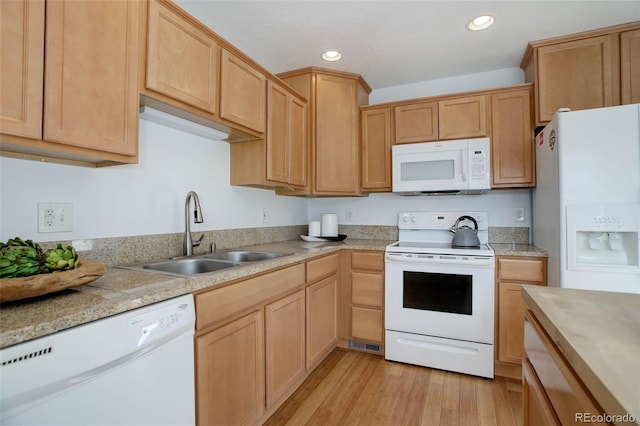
(443, 167)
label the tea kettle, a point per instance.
(464, 236)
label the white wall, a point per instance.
(382, 209)
(141, 199)
(463, 83)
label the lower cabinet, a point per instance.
(284, 344)
(322, 319)
(511, 274)
(553, 393)
(367, 296)
(230, 372)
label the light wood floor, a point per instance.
(356, 388)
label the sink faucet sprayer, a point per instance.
(189, 244)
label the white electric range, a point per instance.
(439, 300)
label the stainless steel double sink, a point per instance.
(204, 264)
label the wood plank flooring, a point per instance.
(356, 388)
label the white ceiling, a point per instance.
(398, 42)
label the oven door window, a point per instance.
(429, 291)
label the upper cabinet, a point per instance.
(630, 66)
(182, 59)
(416, 122)
(242, 92)
(280, 159)
(375, 133)
(22, 67)
(90, 87)
(190, 71)
(583, 71)
(512, 141)
(334, 98)
(464, 117)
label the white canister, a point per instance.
(314, 228)
(329, 225)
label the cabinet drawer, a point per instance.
(369, 261)
(367, 289)
(218, 304)
(325, 266)
(563, 388)
(366, 324)
(521, 269)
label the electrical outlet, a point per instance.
(263, 215)
(55, 217)
(348, 215)
(518, 214)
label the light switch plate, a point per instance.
(55, 217)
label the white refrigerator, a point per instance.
(586, 203)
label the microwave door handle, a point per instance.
(463, 172)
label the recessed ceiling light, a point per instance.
(331, 55)
(480, 23)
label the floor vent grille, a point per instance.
(365, 347)
(30, 355)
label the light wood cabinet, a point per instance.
(416, 122)
(90, 81)
(242, 92)
(559, 395)
(182, 59)
(630, 66)
(284, 345)
(322, 307)
(280, 159)
(333, 117)
(511, 274)
(512, 141)
(375, 133)
(538, 410)
(366, 282)
(230, 372)
(588, 70)
(21, 67)
(461, 118)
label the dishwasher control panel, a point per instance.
(157, 323)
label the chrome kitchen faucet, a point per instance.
(189, 244)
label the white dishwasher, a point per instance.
(134, 368)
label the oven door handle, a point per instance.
(440, 259)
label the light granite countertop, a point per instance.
(121, 290)
(513, 249)
(598, 333)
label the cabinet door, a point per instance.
(512, 144)
(284, 344)
(277, 133)
(416, 122)
(21, 67)
(376, 150)
(322, 319)
(182, 60)
(511, 310)
(630, 66)
(91, 78)
(242, 92)
(230, 372)
(297, 142)
(579, 74)
(463, 117)
(336, 150)
(537, 408)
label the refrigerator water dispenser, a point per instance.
(603, 237)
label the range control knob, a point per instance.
(413, 219)
(405, 218)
